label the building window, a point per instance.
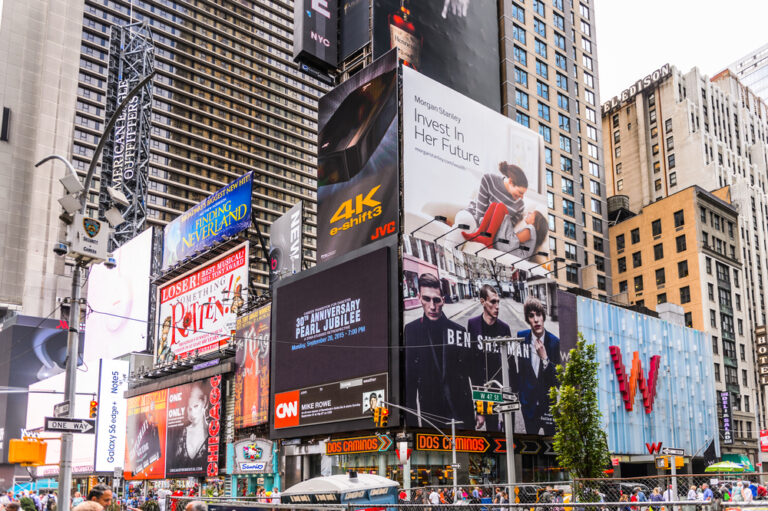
(597, 206)
(542, 89)
(685, 294)
(743, 351)
(569, 229)
(620, 184)
(679, 218)
(658, 251)
(638, 283)
(551, 200)
(539, 27)
(668, 125)
(656, 167)
(656, 227)
(545, 132)
(540, 48)
(620, 242)
(542, 69)
(680, 242)
(673, 179)
(655, 149)
(635, 234)
(689, 319)
(562, 101)
(657, 185)
(572, 274)
(670, 143)
(518, 33)
(671, 165)
(637, 260)
(518, 13)
(523, 119)
(544, 111)
(715, 346)
(521, 99)
(711, 292)
(623, 286)
(568, 208)
(521, 77)
(682, 269)
(717, 372)
(708, 265)
(520, 55)
(712, 318)
(660, 277)
(566, 164)
(661, 298)
(570, 251)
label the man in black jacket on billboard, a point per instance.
(437, 354)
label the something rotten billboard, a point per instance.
(323, 321)
(198, 311)
(224, 213)
(252, 373)
(453, 42)
(175, 432)
(357, 161)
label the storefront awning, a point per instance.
(743, 459)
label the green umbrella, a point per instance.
(725, 466)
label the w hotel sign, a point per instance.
(761, 344)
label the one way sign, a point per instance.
(70, 425)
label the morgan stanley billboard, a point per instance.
(224, 213)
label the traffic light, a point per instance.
(489, 407)
(484, 407)
(376, 416)
(94, 408)
(479, 407)
(384, 418)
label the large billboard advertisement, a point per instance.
(198, 311)
(477, 171)
(334, 325)
(315, 29)
(111, 420)
(175, 432)
(448, 355)
(118, 300)
(285, 243)
(145, 436)
(357, 161)
(252, 367)
(194, 429)
(224, 213)
(453, 42)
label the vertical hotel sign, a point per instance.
(761, 343)
(725, 405)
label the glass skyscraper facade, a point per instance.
(752, 71)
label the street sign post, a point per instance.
(70, 425)
(507, 406)
(61, 409)
(486, 395)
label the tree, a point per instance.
(579, 440)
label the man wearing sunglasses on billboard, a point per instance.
(437, 351)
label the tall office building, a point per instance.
(228, 99)
(550, 83)
(673, 130)
(37, 98)
(752, 71)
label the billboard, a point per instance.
(448, 358)
(357, 161)
(145, 436)
(197, 311)
(285, 243)
(315, 30)
(252, 367)
(481, 173)
(726, 417)
(651, 390)
(118, 300)
(453, 42)
(224, 213)
(175, 432)
(353, 26)
(111, 419)
(194, 429)
(324, 321)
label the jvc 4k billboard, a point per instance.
(357, 161)
(331, 343)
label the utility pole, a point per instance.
(454, 465)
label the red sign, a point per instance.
(287, 409)
(764, 440)
(628, 383)
(615, 462)
(654, 448)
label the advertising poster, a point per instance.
(145, 438)
(111, 420)
(453, 42)
(323, 321)
(253, 456)
(198, 311)
(285, 243)
(479, 170)
(357, 161)
(353, 23)
(252, 367)
(224, 213)
(448, 356)
(315, 28)
(194, 428)
(118, 300)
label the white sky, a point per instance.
(637, 37)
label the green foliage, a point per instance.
(27, 504)
(579, 440)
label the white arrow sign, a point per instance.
(672, 451)
(506, 407)
(70, 425)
